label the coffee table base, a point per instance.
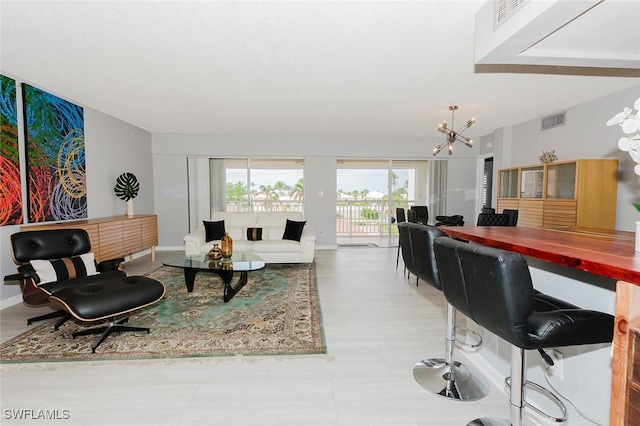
(227, 276)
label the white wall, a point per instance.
(111, 148)
(170, 153)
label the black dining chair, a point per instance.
(494, 219)
(422, 214)
(411, 216)
(513, 216)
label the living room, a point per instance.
(158, 156)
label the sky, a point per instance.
(348, 180)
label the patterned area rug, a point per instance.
(276, 313)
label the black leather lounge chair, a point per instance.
(57, 267)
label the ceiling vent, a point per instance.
(552, 121)
(504, 9)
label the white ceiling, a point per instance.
(332, 68)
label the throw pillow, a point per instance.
(67, 268)
(293, 230)
(254, 234)
(213, 230)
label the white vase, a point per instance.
(130, 208)
(638, 236)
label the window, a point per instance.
(243, 185)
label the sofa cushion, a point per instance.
(273, 223)
(213, 230)
(276, 246)
(67, 268)
(254, 234)
(293, 230)
(238, 245)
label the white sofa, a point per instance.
(272, 248)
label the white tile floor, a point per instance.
(377, 326)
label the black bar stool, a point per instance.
(445, 377)
(493, 287)
(400, 218)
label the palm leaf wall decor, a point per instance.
(127, 186)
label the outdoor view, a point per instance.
(362, 196)
(367, 191)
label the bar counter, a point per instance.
(602, 252)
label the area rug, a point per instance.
(276, 313)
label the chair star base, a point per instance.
(105, 331)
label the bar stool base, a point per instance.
(489, 421)
(462, 383)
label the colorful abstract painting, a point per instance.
(56, 175)
(10, 189)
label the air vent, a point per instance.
(552, 121)
(503, 10)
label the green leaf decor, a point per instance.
(127, 186)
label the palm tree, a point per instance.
(281, 188)
(297, 191)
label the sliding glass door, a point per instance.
(368, 193)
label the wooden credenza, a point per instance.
(114, 236)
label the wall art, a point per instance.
(10, 187)
(56, 174)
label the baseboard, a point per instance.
(170, 248)
(486, 368)
(10, 301)
(327, 247)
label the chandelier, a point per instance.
(452, 135)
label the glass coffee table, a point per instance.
(240, 262)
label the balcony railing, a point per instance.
(354, 218)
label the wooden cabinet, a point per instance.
(115, 236)
(577, 193)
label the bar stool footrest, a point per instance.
(465, 343)
(546, 392)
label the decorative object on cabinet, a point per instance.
(548, 156)
(576, 193)
(451, 135)
(126, 189)
(629, 121)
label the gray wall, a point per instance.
(111, 148)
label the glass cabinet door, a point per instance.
(508, 184)
(561, 181)
(531, 182)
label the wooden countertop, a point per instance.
(603, 252)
